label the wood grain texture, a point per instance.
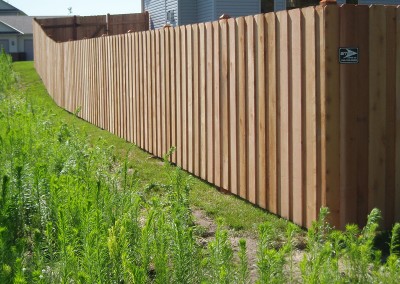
(210, 103)
(283, 114)
(389, 192)
(296, 103)
(203, 102)
(173, 92)
(241, 34)
(362, 112)
(224, 99)
(261, 119)
(179, 134)
(251, 112)
(330, 92)
(217, 105)
(233, 101)
(271, 79)
(184, 99)
(377, 108)
(190, 97)
(397, 189)
(348, 119)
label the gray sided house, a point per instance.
(183, 12)
(15, 32)
(290, 4)
(16, 36)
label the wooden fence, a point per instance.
(76, 27)
(258, 105)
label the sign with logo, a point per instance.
(348, 55)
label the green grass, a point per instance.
(245, 217)
(79, 205)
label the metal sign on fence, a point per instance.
(348, 55)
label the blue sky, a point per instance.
(79, 7)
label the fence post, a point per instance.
(75, 29)
(224, 17)
(107, 24)
(327, 2)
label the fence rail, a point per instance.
(258, 105)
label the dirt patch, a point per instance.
(208, 228)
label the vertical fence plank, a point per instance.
(377, 103)
(330, 95)
(163, 94)
(110, 75)
(117, 86)
(195, 102)
(362, 113)
(296, 106)
(241, 34)
(135, 90)
(150, 90)
(167, 91)
(154, 94)
(130, 79)
(283, 114)
(233, 100)
(251, 113)
(271, 80)
(123, 87)
(137, 93)
(190, 92)
(224, 92)
(261, 105)
(173, 92)
(320, 109)
(203, 102)
(147, 82)
(210, 103)
(143, 92)
(95, 81)
(184, 99)
(122, 83)
(179, 133)
(397, 189)
(158, 93)
(310, 190)
(217, 97)
(348, 103)
(146, 91)
(389, 193)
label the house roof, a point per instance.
(8, 9)
(21, 24)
